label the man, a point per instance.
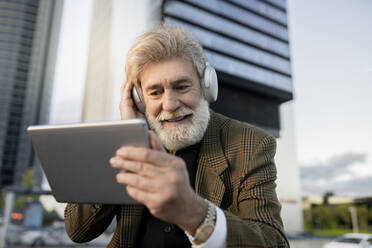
(207, 181)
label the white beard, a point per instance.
(185, 134)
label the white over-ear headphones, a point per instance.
(209, 86)
(210, 83)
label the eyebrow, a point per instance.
(177, 81)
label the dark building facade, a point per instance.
(247, 43)
(28, 41)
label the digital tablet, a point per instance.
(75, 158)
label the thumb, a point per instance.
(155, 142)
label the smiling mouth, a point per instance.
(178, 119)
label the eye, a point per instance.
(181, 87)
(154, 93)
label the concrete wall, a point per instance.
(115, 25)
(289, 188)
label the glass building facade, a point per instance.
(28, 40)
(247, 43)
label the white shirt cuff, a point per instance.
(218, 237)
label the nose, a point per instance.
(170, 101)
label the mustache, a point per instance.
(164, 115)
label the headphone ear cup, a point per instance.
(210, 84)
(138, 101)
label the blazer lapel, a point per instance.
(211, 163)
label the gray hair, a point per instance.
(165, 41)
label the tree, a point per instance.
(342, 214)
(27, 181)
(362, 212)
(323, 217)
(308, 219)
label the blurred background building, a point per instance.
(29, 33)
(247, 43)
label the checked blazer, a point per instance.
(236, 171)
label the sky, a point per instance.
(331, 57)
(332, 73)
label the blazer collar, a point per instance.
(212, 162)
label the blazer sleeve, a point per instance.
(85, 222)
(254, 220)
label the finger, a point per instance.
(126, 97)
(126, 104)
(147, 170)
(155, 142)
(137, 181)
(141, 196)
(125, 90)
(123, 85)
(145, 155)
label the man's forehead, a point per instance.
(167, 72)
(166, 81)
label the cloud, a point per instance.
(336, 175)
(335, 166)
(357, 186)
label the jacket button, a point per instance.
(167, 229)
(93, 209)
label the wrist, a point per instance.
(196, 215)
(206, 228)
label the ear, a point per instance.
(155, 142)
